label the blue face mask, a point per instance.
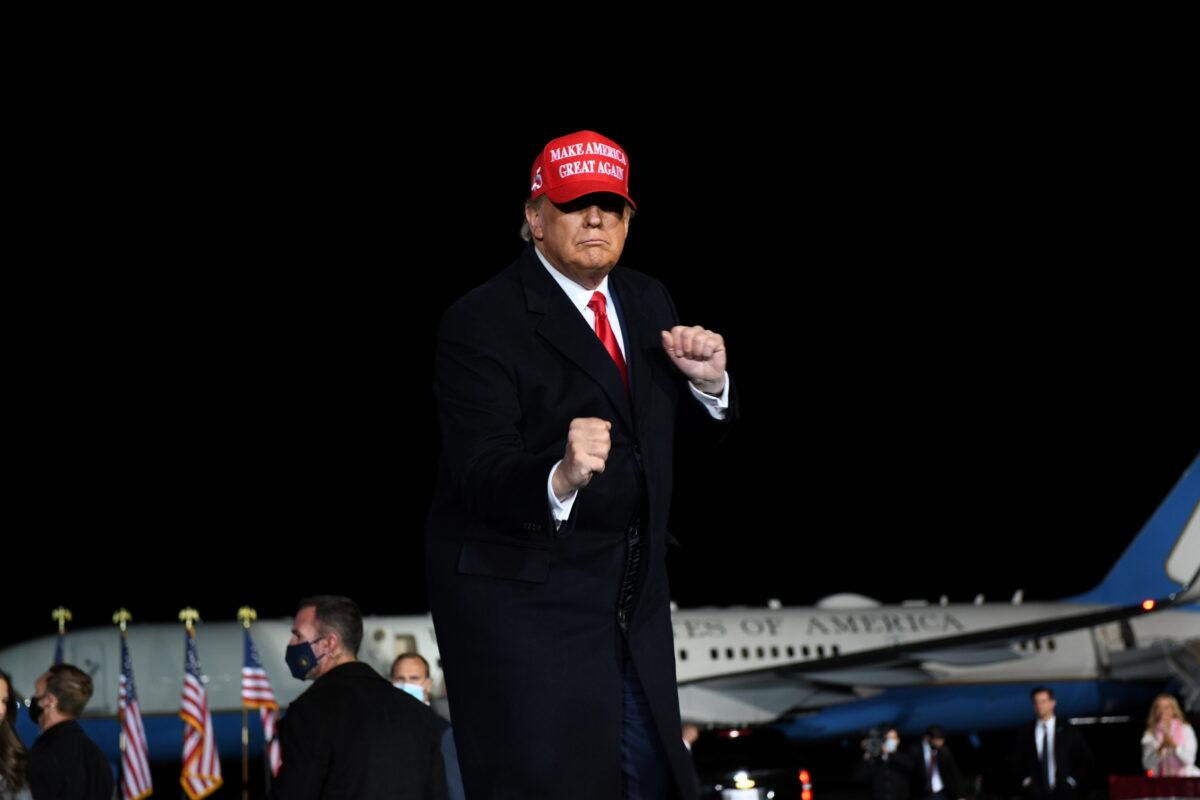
(415, 689)
(301, 658)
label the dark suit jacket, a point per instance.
(1072, 759)
(890, 777)
(454, 784)
(64, 764)
(354, 735)
(952, 783)
(526, 613)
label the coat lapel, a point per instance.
(565, 329)
(641, 338)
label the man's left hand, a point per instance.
(699, 354)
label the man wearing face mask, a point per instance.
(351, 734)
(410, 673)
(64, 763)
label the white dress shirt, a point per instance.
(579, 297)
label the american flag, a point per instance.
(256, 693)
(135, 763)
(201, 762)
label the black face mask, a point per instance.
(35, 710)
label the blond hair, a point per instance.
(1151, 719)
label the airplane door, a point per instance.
(381, 645)
(1109, 637)
(89, 656)
(405, 643)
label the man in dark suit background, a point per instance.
(557, 384)
(351, 734)
(65, 764)
(1061, 770)
(410, 673)
(936, 774)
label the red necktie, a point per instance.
(605, 332)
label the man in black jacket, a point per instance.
(1064, 773)
(558, 386)
(64, 763)
(351, 734)
(410, 673)
(936, 775)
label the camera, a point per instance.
(872, 744)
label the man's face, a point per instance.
(5, 691)
(41, 698)
(412, 671)
(1043, 705)
(305, 629)
(582, 238)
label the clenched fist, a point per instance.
(699, 354)
(588, 443)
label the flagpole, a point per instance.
(121, 619)
(189, 616)
(62, 616)
(245, 754)
(246, 615)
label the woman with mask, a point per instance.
(1169, 743)
(12, 752)
(886, 770)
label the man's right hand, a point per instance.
(588, 443)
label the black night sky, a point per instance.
(962, 326)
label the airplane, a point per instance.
(838, 668)
(850, 664)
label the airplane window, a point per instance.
(805, 651)
(760, 653)
(745, 652)
(714, 654)
(791, 651)
(729, 652)
(774, 652)
(1050, 644)
(683, 655)
(836, 650)
(821, 650)
(1037, 645)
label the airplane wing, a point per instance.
(759, 697)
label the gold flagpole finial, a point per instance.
(189, 617)
(246, 615)
(62, 616)
(122, 618)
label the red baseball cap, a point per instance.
(577, 164)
